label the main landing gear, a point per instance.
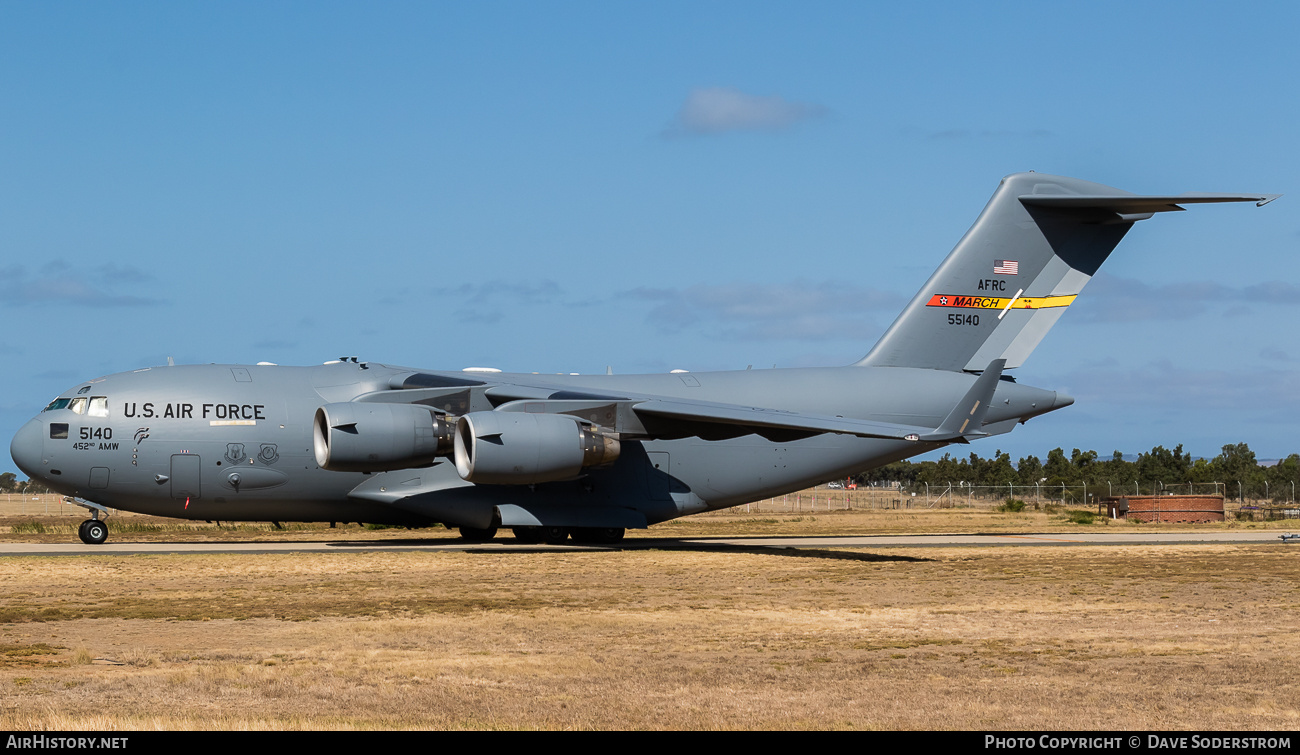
(93, 532)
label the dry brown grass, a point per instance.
(1151, 637)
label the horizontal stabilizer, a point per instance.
(1132, 204)
(966, 420)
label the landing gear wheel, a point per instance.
(93, 532)
(555, 535)
(476, 535)
(528, 535)
(599, 535)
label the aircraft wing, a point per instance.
(670, 418)
(731, 420)
(647, 417)
(962, 423)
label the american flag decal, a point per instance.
(1006, 267)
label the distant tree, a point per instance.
(1058, 470)
(1085, 466)
(8, 482)
(1235, 463)
(1029, 470)
(1205, 471)
(1284, 478)
(32, 487)
(1238, 465)
(998, 471)
(945, 470)
(1162, 465)
(1082, 460)
(1115, 472)
(903, 472)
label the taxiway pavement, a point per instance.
(506, 544)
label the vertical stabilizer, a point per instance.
(1037, 243)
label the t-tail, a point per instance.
(1037, 243)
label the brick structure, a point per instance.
(1165, 508)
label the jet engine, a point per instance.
(360, 437)
(511, 448)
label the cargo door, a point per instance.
(185, 476)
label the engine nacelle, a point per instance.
(362, 437)
(513, 448)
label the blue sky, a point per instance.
(562, 186)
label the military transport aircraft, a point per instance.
(587, 456)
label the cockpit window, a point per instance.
(84, 389)
(98, 406)
(78, 405)
(56, 404)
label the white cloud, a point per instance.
(799, 310)
(717, 110)
(1174, 389)
(61, 284)
(480, 303)
(1117, 299)
(962, 133)
(537, 292)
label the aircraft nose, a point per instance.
(26, 447)
(1062, 400)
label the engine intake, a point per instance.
(353, 437)
(511, 448)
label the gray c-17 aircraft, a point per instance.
(588, 456)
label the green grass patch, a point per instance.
(1078, 516)
(903, 644)
(122, 527)
(27, 655)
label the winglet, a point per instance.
(967, 418)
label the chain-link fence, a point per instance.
(840, 497)
(50, 504)
(960, 493)
(19, 504)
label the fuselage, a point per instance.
(234, 443)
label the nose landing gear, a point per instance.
(94, 530)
